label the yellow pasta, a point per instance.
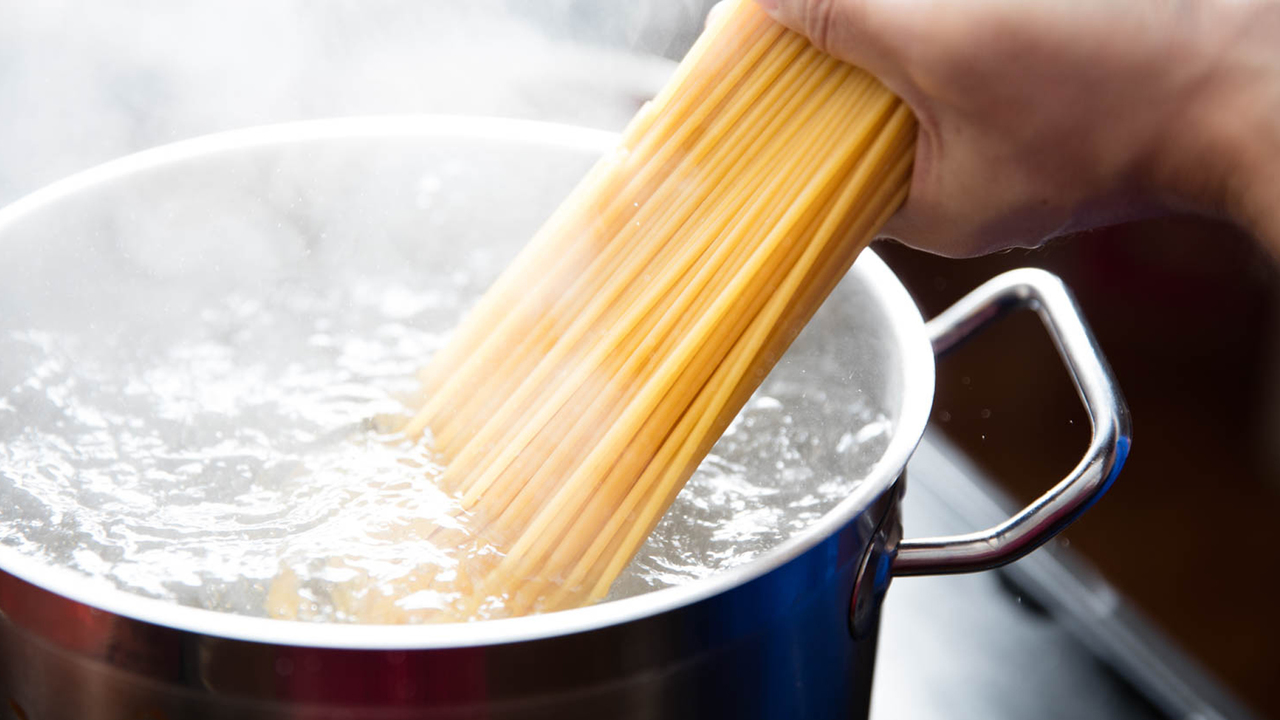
(579, 395)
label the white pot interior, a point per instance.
(111, 272)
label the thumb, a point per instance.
(838, 27)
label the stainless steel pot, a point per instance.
(789, 635)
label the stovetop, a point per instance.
(1042, 638)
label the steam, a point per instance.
(83, 82)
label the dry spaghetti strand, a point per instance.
(579, 395)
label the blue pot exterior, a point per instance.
(780, 646)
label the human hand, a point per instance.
(1039, 118)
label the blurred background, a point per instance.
(1186, 312)
(1185, 309)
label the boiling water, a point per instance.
(197, 459)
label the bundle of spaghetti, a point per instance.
(584, 388)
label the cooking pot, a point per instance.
(789, 634)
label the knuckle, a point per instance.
(820, 23)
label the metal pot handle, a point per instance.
(1108, 447)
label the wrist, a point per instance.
(1254, 191)
(1223, 154)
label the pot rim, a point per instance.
(908, 327)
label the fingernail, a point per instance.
(769, 6)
